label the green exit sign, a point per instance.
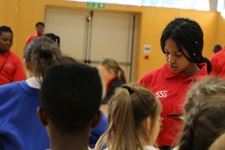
(95, 5)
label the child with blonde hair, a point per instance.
(113, 76)
(132, 124)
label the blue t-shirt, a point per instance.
(20, 128)
(98, 131)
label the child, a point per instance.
(182, 44)
(70, 107)
(11, 68)
(113, 75)
(102, 126)
(218, 64)
(19, 125)
(204, 115)
(133, 120)
(216, 48)
(40, 27)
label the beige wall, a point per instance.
(220, 26)
(22, 15)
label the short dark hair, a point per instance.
(5, 29)
(39, 23)
(68, 59)
(217, 48)
(71, 96)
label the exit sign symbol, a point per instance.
(95, 5)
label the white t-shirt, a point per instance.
(150, 148)
(175, 148)
(33, 82)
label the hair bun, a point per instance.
(45, 53)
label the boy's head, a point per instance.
(6, 39)
(216, 48)
(40, 26)
(70, 97)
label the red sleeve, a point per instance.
(215, 67)
(19, 72)
(141, 81)
(27, 41)
(145, 80)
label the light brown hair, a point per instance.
(41, 53)
(111, 64)
(127, 111)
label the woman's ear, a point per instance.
(42, 116)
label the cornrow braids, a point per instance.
(188, 35)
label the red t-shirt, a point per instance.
(170, 89)
(30, 38)
(218, 64)
(13, 68)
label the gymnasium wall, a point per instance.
(21, 16)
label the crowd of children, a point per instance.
(57, 105)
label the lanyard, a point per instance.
(5, 61)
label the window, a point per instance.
(182, 4)
(121, 2)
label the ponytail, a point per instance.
(114, 65)
(122, 76)
(128, 110)
(209, 66)
(121, 133)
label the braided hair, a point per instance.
(188, 35)
(204, 114)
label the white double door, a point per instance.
(92, 35)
